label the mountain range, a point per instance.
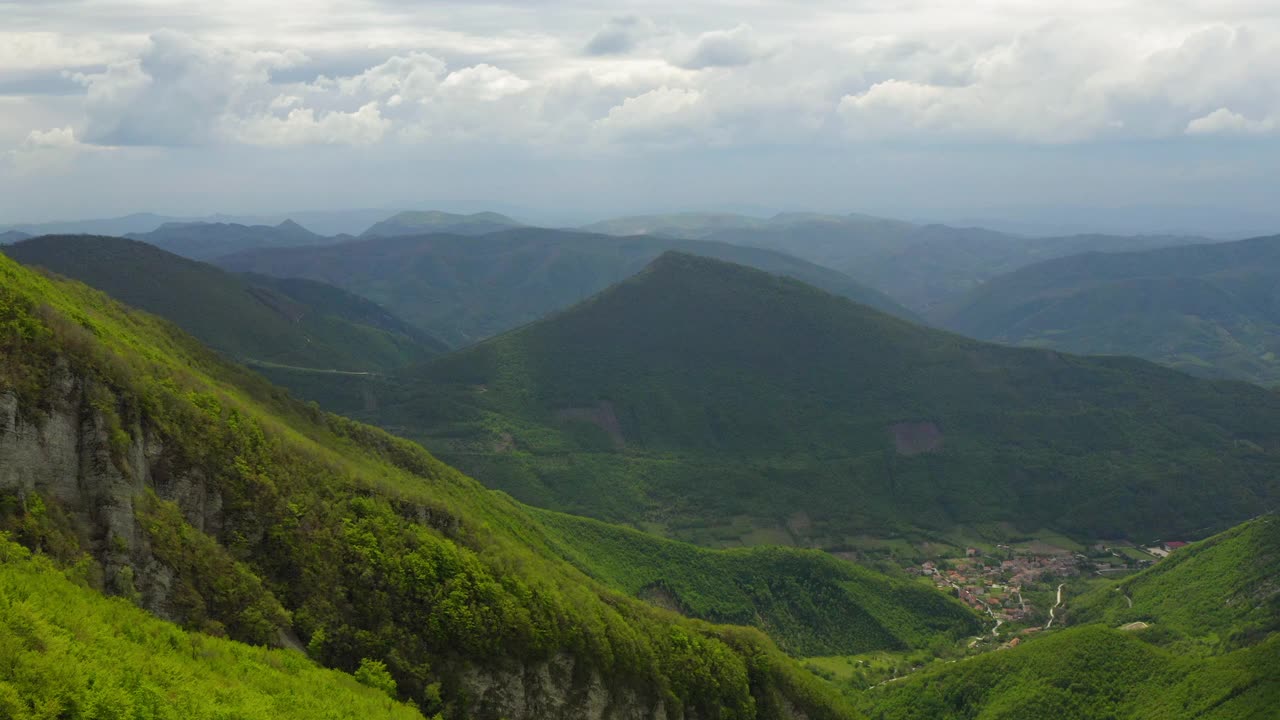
(1211, 310)
(463, 288)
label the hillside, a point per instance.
(1088, 673)
(69, 652)
(465, 288)
(1212, 310)
(208, 240)
(1203, 643)
(209, 497)
(1226, 588)
(12, 236)
(435, 221)
(810, 602)
(726, 405)
(258, 320)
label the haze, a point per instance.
(1010, 109)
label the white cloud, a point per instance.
(304, 126)
(653, 114)
(1225, 122)
(46, 151)
(483, 82)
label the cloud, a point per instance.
(483, 82)
(1225, 122)
(652, 115)
(303, 126)
(46, 151)
(723, 48)
(178, 92)
(619, 36)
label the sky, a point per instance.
(891, 106)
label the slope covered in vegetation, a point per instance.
(464, 288)
(252, 319)
(207, 240)
(1225, 589)
(68, 652)
(207, 495)
(1211, 310)
(810, 602)
(699, 393)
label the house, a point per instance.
(1173, 545)
(971, 552)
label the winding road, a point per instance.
(1055, 607)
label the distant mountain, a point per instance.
(465, 288)
(207, 241)
(137, 222)
(417, 223)
(1212, 310)
(1193, 637)
(722, 404)
(920, 266)
(257, 320)
(12, 236)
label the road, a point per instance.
(1055, 607)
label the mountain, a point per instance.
(465, 288)
(721, 404)
(206, 241)
(154, 469)
(1212, 310)
(920, 266)
(137, 222)
(258, 320)
(1194, 636)
(434, 221)
(12, 236)
(69, 652)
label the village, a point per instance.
(993, 582)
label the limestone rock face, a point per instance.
(562, 687)
(63, 453)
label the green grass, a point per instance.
(68, 652)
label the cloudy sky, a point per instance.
(112, 106)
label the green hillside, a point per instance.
(728, 406)
(810, 602)
(1194, 636)
(434, 221)
(1088, 673)
(1224, 590)
(1211, 310)
(68, 652)
(206, 240)
(463, 289)
(252, 319)
(210, 496)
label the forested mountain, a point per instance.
(1212, 310)
(1192, 637)
(920, 266)
(465, 288)
(206, 240)
(12, 236)
(258, 320)
(434, 221)
(699, 394)
(166, 475)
